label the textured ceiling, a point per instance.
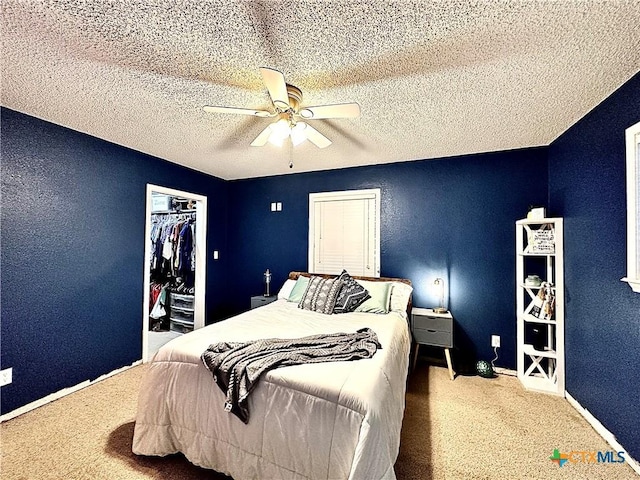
(433, 78)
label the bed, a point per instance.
(338, 420)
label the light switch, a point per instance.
(279, 206)
(273, 206)
(215, 254)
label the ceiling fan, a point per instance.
(287, 103)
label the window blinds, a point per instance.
(345, 235)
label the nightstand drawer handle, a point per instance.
(431, 331)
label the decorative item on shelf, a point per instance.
(533, 281)
(535, 335)
(438, 286)
(267, 282)
(160, 203)
(542, 240)
(544, 303)
(485, 369)
(536, 213)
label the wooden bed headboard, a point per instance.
(295, 275)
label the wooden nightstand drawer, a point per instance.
(439, 324)
(434, 329)
(433, 337)
(430, 328)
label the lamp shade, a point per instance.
(279, 132)
(438, 286)
(298, 134)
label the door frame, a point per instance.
(632, 138)
(201, 260)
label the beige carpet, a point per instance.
(470, 428)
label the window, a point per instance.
(344, 232)
(633, 207)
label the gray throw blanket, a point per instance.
(237, 366)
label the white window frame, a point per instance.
(632, 135)
(345, 195)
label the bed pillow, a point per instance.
(298, 289)
(351, 295)
(321, 295)
(400, 294)
(380, 293)
(286, 289)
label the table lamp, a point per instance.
(267, 282)
(438, 286)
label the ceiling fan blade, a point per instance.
(275, 83)
(263, 138)
(340, 110)
(240, 111)
(315, 137)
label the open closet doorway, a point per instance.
(175, 266)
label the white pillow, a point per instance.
(400, 294)
(285, 291)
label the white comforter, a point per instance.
(338, 420)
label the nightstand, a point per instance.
(435, 329)
(260, 300)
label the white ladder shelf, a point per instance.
(540, 334)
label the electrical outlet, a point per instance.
(495, 341)
(6, 376)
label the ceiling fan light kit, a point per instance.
(287, 100)
(298, 133)
(279, 132)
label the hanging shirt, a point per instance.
(186, 246)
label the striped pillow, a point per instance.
(321, 294)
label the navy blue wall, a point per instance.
(73, 225)
(587, 187)
(451, 218)
(73, 228)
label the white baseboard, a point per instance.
(602, 431)
(62, 393)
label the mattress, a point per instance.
(338, 420)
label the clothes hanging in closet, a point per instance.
(154, 293)
(173, 249)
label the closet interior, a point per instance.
(173, 265)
